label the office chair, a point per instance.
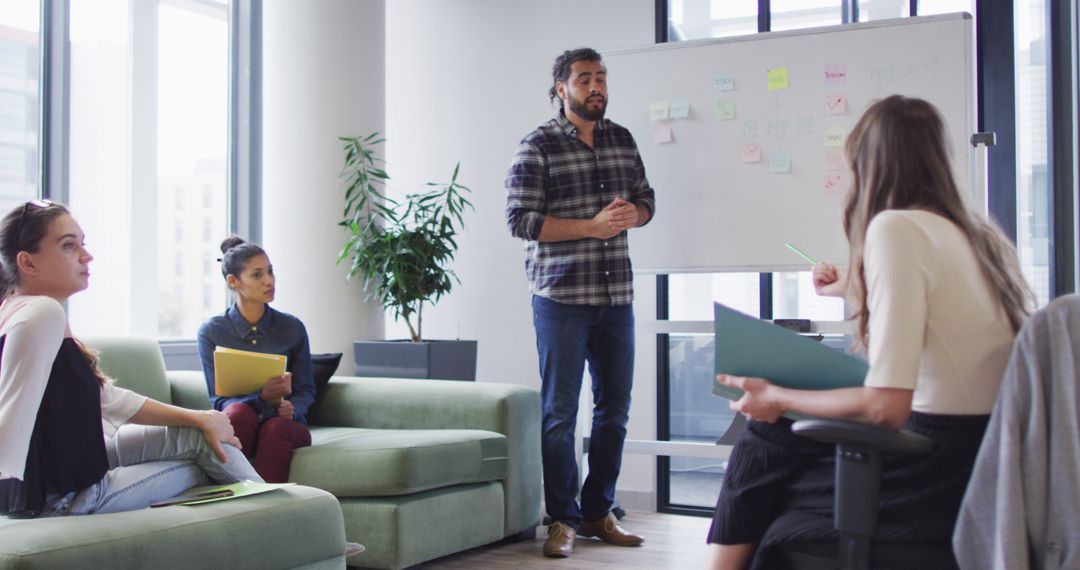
(859, 449)
(1042, 378)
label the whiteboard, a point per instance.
(719, 209)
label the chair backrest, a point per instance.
(135, 363)
(1026, 479)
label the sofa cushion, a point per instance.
(287, 528)
(358, 462)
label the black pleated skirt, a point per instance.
(779, 487)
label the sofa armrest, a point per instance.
(395, 403)
(188, 389)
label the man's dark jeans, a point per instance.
(568, 336)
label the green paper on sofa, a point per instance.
(241, 489)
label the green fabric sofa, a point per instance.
(425, 468)
(296, 527)
(421, 468)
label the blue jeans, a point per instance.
(147, 463)
(568, 336)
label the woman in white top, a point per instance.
(938, 297)
(65, 447)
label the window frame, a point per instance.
(244, 170)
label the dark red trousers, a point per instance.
(270, 445)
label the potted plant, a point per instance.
(401, 250)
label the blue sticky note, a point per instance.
(679, 109)
(779, 162)
(724, 82)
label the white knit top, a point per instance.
(935, 326)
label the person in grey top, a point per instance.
(1019, 510)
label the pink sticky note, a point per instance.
(834, 160)
(661, 134)
(751, 152)
(833, 182)
(836, 104)
(835, 73)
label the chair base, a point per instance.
(822, 555)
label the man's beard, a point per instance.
(581, 109)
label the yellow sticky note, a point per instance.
(778, 78)
(658, 110)
(725, 110)
(834, 136)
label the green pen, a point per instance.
(801, 253)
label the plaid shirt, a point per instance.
(556, 174)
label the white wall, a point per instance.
(324, 77)
(466, 80)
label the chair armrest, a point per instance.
(861, 434)
(188, 389)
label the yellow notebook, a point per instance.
(240, 372)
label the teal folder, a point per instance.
(746, 346)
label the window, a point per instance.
(698, 19)
(929, 7)
(20, 41)
(694, 482)
(883, 9)
(795, 14)
(1032, 188)
(149, 144)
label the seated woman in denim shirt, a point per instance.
(269, 431)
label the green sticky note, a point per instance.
(725, 110)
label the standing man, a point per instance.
(577, 184)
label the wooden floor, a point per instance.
(671, 541)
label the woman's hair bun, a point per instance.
(231, 242)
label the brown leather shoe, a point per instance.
(608, 530)
(560, 542)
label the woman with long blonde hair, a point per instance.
(74, 443)
(937, 297)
